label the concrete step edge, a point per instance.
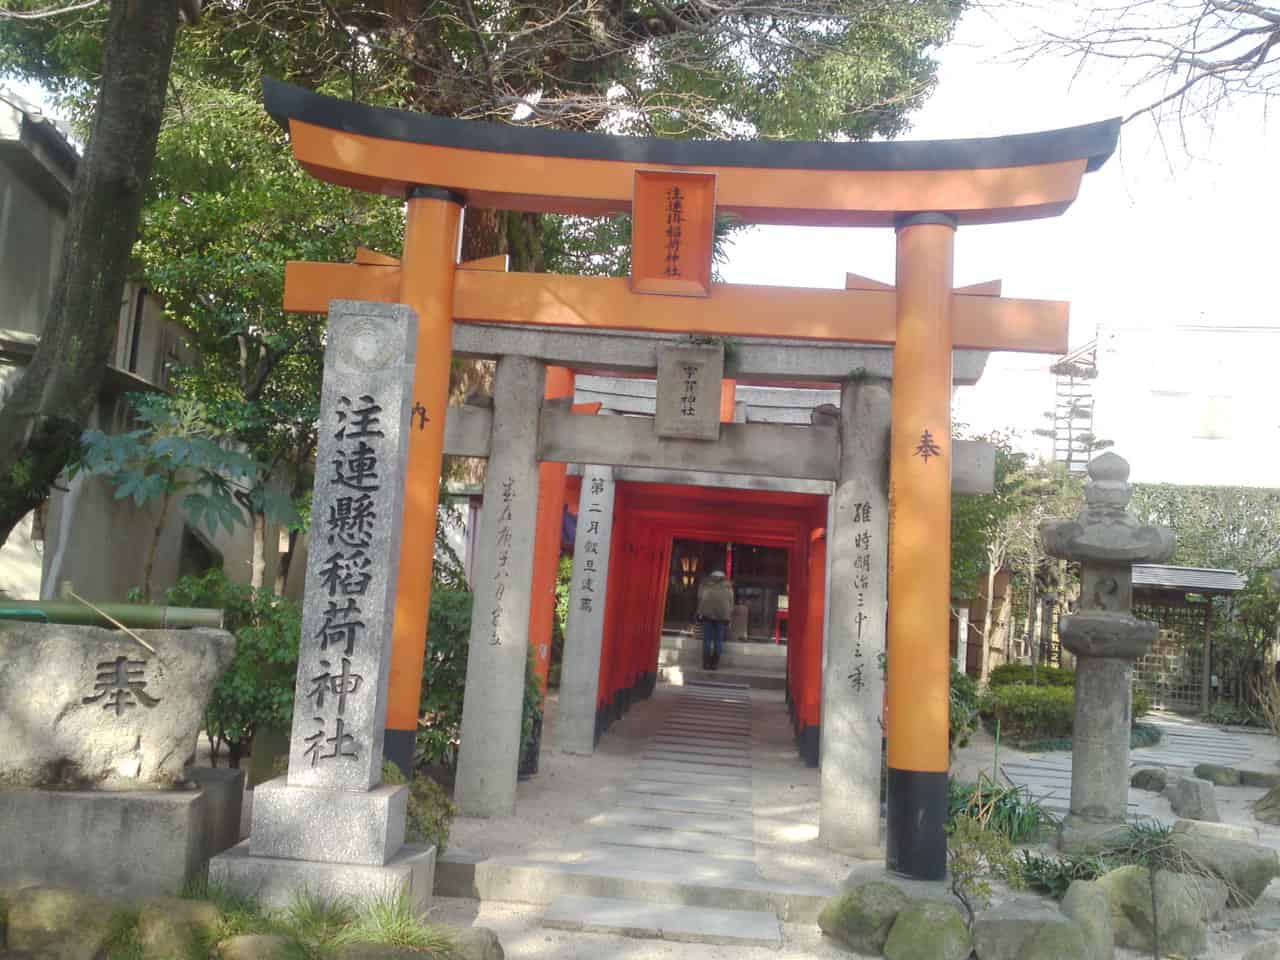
(663, 921)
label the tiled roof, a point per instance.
(1190, 579)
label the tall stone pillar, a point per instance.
(584, 635)
(491, 708)
(331, 825)
(852, 680)
(1106, 638)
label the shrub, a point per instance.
(964, 707)
(1028, 713)
(1046, 873)
(1008, 810)
(444, 676)
(975, 856)
(1008, 674)
(1141, 702)
(256, 692)
(431, 812)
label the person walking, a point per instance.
(715, 608)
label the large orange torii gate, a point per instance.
(924, 190)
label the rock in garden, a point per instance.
(861, 918)
(169, 927)
(1246, 868)
(1086, 903)
(1149, 778)
(1183, 905)
(1264, 951)
(1193, 798)
(478, 943)
(255, 946)
(1218, 775)
(1222, 831)
(1011, 933)
(929, 930)
(1267, 807)
(86, 707)
(54, 923)
(1256, 778)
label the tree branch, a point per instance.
(49, 11)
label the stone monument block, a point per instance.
(688, 406)
(92, 708)
(349, 600)
(331, 826)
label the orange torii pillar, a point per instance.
(546, 544)
(433, 230)
(919, 697)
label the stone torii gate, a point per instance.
(674, 190)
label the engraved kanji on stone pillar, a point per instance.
(1106, 638)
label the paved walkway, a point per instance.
(1184, 743)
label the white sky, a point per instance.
(1158, 236)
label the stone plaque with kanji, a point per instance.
(366, 406)
(688, 406)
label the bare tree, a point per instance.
(1193, 56)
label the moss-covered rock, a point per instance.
(861, 917)
(169, 927)
(1219, 776)
(1086, 903)
(1183, 905)
(478, 943)
(1246, 868)
(1267, 807)
(1256, 778)
(54, 923)
(928, 930)
(1007, 932)
(255, 946)
(1055, 941)
(1150, 778)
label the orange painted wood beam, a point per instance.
(980, 321)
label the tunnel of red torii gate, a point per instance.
(868, 554)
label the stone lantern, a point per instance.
(1106, 639)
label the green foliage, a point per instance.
(1232, 715)
(257, 689)
(1026, 712)
(444, 676)
(531, 707)
(178, 452)
(975, 857)
(1008, 810)
(1234, 528)
(1040, 716)
(123, 940)
(560, 622)
(964, 707)
(1052, 874)
(977, 519)
(395, 922)
(317, 923)
(431, 812)
(1010, 673)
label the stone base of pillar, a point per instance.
(297, 823)
(1079, 834)
(275, 883)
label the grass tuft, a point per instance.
(395, 922)
(123, 942)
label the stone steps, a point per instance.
(653, 877)
(662, 921)
(682, 674)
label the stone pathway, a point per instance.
(1184, 743)
(676, 857)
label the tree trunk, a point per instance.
(149, 567)
(41, 421)
(984, 669)
(258, 566)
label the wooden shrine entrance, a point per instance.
(674, 189)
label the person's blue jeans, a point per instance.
(713, 632)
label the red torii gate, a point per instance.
(924, 190)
